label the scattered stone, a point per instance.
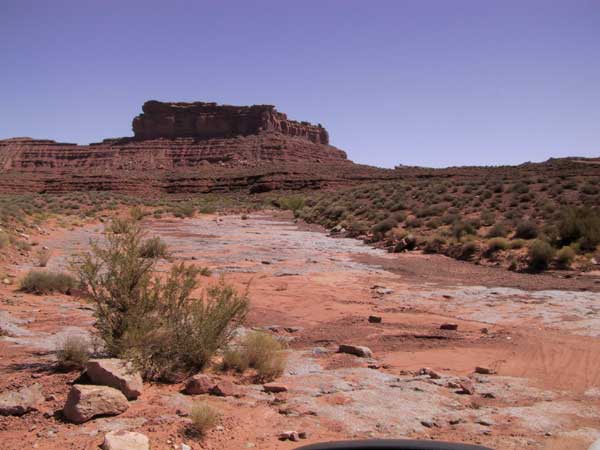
(17, 403)
(427, 423)
(360, 351)
(85, 402)
(430, 372)
(289, 436)
(466, 387)
(484, 370)
(375, 319)
(484, 331)
(485, 422)
(292, 329)
(449, 326)
(275, 387)
(6, 281)
(199, 384)
(225, 388)
(125, 440)
(303, 435)
(380, 290)
(488, 395)
(447, 296)
(185, 447)
(117, 374)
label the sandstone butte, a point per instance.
(187, 147)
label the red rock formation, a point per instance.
(185, 147)
(209, 120)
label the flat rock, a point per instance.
(125, 440)
(357, 350)
(85, 402)
(17, 403)
(200, 384)
(225, 388)
(275, 387)
(484, 370)
(117, 374)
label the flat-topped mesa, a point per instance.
(202, 120)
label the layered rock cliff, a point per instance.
(209, 120)
(185, 147)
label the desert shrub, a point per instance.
(203, 417)
(467, 250)
(384, 226)
(185, 210)
(520, 188)
(4, 239)
(291, 203)
(259, 351)
(154, 248)
(565, 257)
(43, 257)
(526, 230)
(73, 353)
(487, 218)
(137, 213)
(434, 245)
(118, 225)
(461, 229)
(516, 244)
(497, 244)
(154, 321)
(39, 282)
(414, 222)
(497, 230)
(581, 225)
(540, 255)
(589, 189)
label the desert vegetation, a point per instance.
(495, 218)
(42, 282)
(259, 351)
(155, 321)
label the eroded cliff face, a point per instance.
(186, 147)
(208, 120)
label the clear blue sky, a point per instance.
(436, 83)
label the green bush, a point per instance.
(384, 226)
(497, 244)
(291, 203)
(527, 230)
(434, 245)
(497, 230)
(259, 351)
(39, 282)
(540, 255)
(186, 210)
(565, 257)
(154, 321)
(581, 225)
(154, 248)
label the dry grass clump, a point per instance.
(203, 418)
(540, 255)
(39, 282)
(155, 321)
(154, 248)
(259, 351)
(73, 353)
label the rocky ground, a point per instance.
(459, 352)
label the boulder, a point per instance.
(225, 388)
(85, 402)
(363, 352)
(125, 440)
(466, 387)
(117, 374)
(289, 436)
(17, 403)
(275, 387)
(199, 384)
